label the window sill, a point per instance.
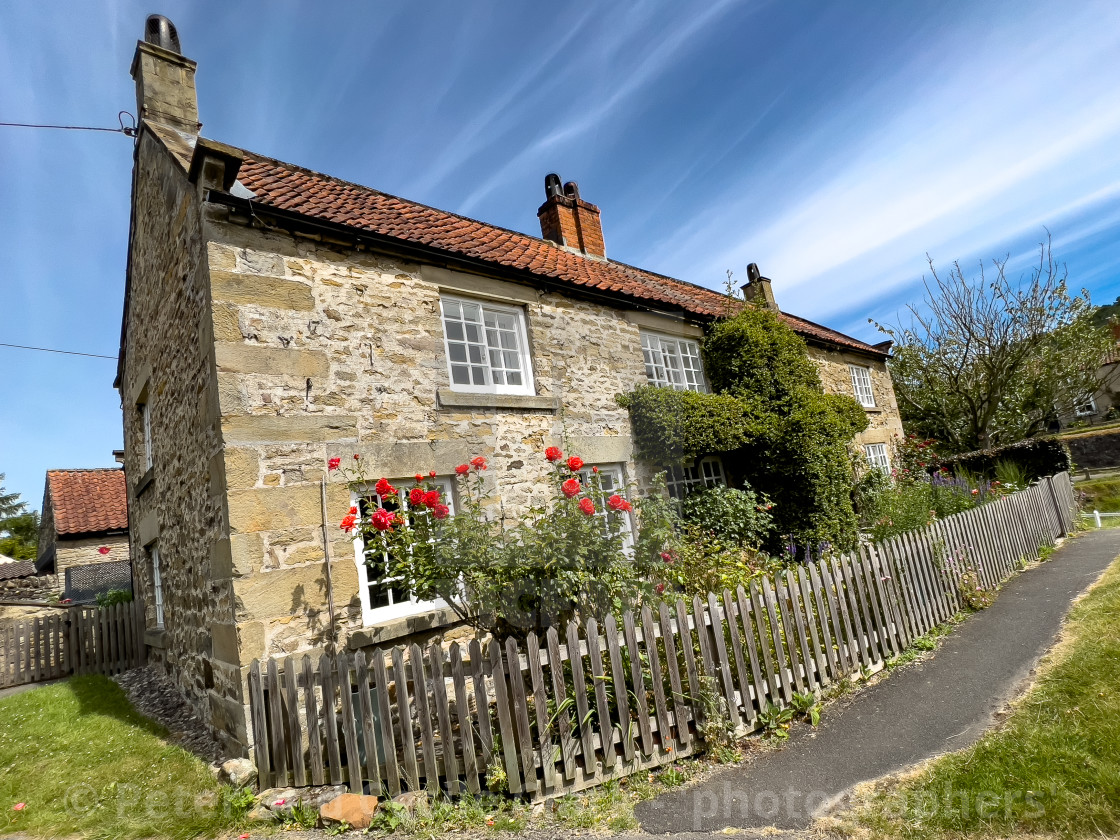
(872, 409)
(153, 637)
(396, 628)
(145, 481)
(518, 402)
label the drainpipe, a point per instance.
(327, 560)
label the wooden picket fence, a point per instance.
(75, 641)
(547, 714)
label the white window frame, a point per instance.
(528, 387)
(1085, 407)
(146, 421)
(374, 615)
(617, 475)
(157, 585)
(673, 361)
(861, 385)
(877, 457)
(707, 472)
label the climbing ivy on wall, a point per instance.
(769, 420)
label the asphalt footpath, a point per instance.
(940, 705)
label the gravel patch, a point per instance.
(155, 696)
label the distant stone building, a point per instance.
(84, 521)
(276, 317)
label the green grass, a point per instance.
(87, 764)
(1101, 494)
(1052, 768)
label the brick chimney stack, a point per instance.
(757, 289)
(568, 220)
(165, 91)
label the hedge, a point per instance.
(1037, 457)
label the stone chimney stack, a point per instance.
(568, 220)
(165, 91)
(757, 289)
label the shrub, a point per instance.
(559, 561)
(1035, 457)
(114, 596)
(700, 562)
(741, 517)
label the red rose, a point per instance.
(333, 463)
(432, 474)
(440, 511)
(384, 488)
(626, 506)
(357, 457)
(431, 498)
(595, 470)
(575, 463)
(570, 488)
(419, 478)
(660, 589)
(478, 463)
(587, 506)
(553, 454)
(382, 519)
(416, 496)
(616, 502)
(353, 510)
(462, 469)
(348, 523)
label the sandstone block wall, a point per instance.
(884, 420)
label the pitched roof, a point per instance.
(87, 501)
(17, 569)
(294, 189)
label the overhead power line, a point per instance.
(65, 352)
(127, 130)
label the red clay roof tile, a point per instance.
(292, 188)
(88, 501)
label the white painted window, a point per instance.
(146, 419)
(383, 597)
(877, 457)
(611, 481)
(157, 585)
(707, 472)
(861, 385)
(673, 362)
(1086, 406)
(487, 347)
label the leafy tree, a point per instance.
(990, 361)
(19, 529)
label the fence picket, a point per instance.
(820, 664)
(656, 678)
(330, 720)
(781, 662)
(808, 662)
(540, 706)
(311, 711)
(834, 618)
(295, 735)
(366, 724)
(721, 660)
(746, 620)
(684, 633)
(424, 716)
(637, 683)
(260, 725)
(846, 594)
(680, 702)
(563, 715)
(349, 723)
(758, 615)
(443, 715)
(621, 693)
(388, 759)
(463, 712)
(579, 688)
(789, 631)
(505, 722)
(599, 683)
(404, 712)
(276, 726)
(742, 676)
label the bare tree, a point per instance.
(990, 361)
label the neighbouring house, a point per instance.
(83, 531)
(1103, 405)
(276, 317)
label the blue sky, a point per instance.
(833, 143)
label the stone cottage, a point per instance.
(85, 523)
(276, 317)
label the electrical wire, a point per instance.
(50, 350)
(127, 130)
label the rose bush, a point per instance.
(564, 559)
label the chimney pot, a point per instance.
(571, 190)
(160, 31)
(757, 289)
(552, 185)
(165, 91)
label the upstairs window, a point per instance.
(707, 472)
(1086, 406)
(673, 362)
(861, 385)
(146, 422)
(877, 458)
(384, 597)
(487, 347)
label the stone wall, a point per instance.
(82, 552)
(326, 353)
(884, 422)
(31, 588)
(168, 363)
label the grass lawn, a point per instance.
(1101, 494)
(1053, 767)
(87, 764)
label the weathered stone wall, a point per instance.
(82, 552)
(321, 353)
(884, 422)
(169, 363)
(32, 588)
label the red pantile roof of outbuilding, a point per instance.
(88, 501)
(295, 189)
